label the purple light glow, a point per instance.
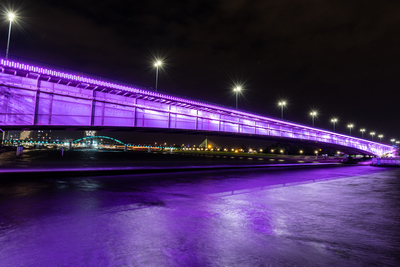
(51, 103)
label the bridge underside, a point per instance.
(36, 98)
(290, 141)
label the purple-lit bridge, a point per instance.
(37, 98)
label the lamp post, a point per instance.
(372, 135)
(380, 137)
(11, 17)
(237, 90)
(157, 64)
(313, 114)
(350, 126)
(334, 120)
(362, 132)
(282, 104)
(392, 140)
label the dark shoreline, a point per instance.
(46, 163)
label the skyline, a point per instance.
(46, 33)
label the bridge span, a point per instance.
(32, 97)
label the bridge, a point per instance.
(98, 137)
(33, 97)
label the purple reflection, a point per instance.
(221, 218)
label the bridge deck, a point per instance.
(33, 97)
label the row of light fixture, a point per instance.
(282, 104)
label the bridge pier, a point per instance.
(20, 149)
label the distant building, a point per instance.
(25, 135)
(90, 133)
(40, 135)
(11, 135)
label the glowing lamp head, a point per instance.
(350, 125)
(362, 130)
(313, 113)
(334, 120)
(237, 89)
(11, 16)
(158, 63)
(282, 103)
(372, 133)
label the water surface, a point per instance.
(336, 216)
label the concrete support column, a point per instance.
(19, 150)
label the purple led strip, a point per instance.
(62, 75)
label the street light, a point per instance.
(313, 114)
(362, 132)
(157, 64)
(392, 140)
(380, 137)
(237, 90)
(372, 135)
(334, 120)
(350, 126)
(11, 17)
(282, 104)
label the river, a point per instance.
(318, 216)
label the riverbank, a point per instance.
(47, 162)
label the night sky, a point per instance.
(341, 58)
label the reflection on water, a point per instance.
(342, 216)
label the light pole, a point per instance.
(380, 137)
(350, 126)
(237, 90)
(313, 114)
(157, 64)
(362, 132)
(282, 104)
(334, 120)
(392, 140)
(11, 17)
(372, 135)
